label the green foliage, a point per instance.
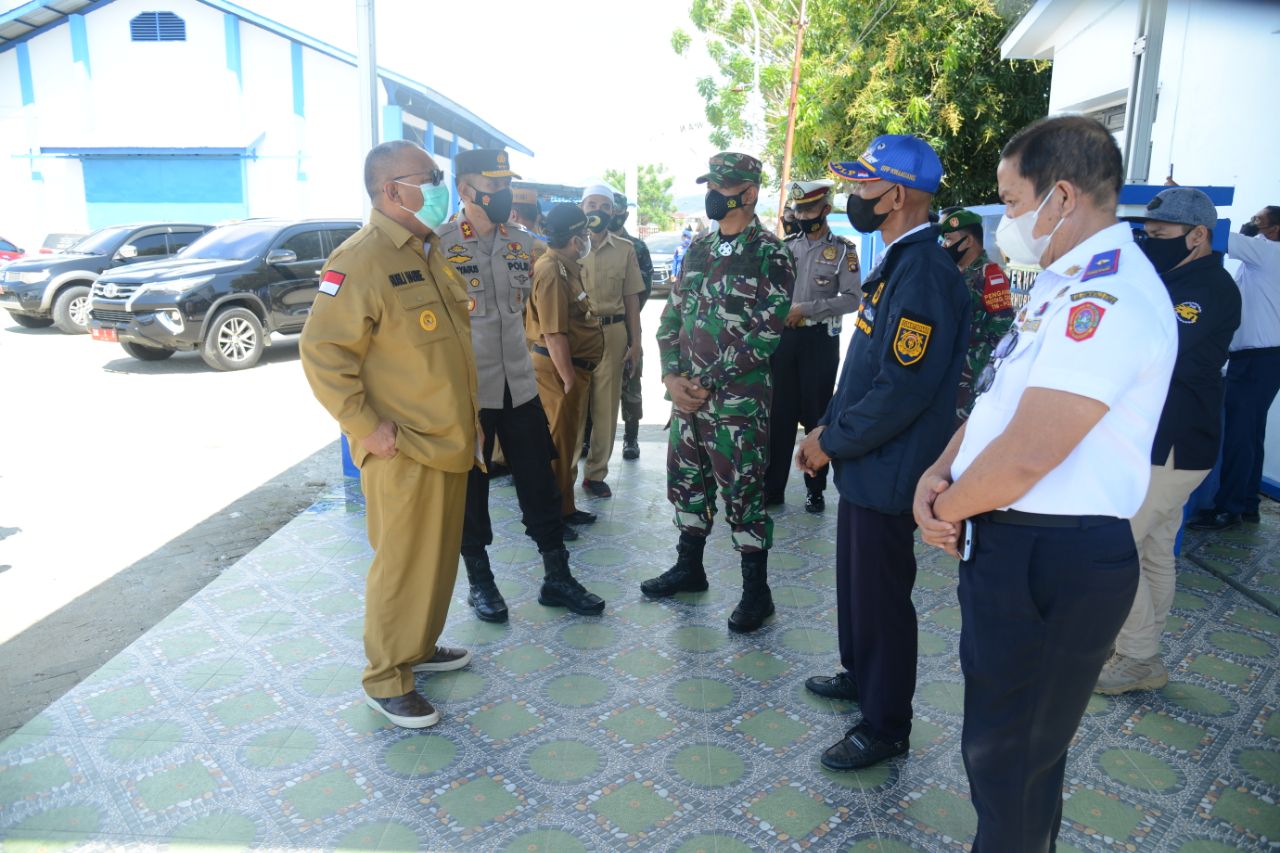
(928, 67)
(656, 205)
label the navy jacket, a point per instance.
(894, 407)
(1206, 302)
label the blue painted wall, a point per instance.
(130, 189)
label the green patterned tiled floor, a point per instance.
(238, 720)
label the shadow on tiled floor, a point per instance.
(238, 721)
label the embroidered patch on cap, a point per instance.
(1083, 320)
(331, 282)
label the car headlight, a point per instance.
(175, 285)
(27, 277)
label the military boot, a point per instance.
(484, 597)
(630, 442)
(687, 575)
(757, 601)
(561, 589)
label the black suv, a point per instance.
(53, 290)
(223, 295)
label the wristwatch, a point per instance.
(705, 381)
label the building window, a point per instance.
(1112, 118)
(158, 26)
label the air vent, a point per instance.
(158, 26)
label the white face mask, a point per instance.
(1013, 236)
(586, 248)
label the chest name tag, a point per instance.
(399, 279)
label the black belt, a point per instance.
(577, 362)
(1036, 519)
(612, 318)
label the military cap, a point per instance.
(489, 162)
(807, 192)
(730, 167)
(1181, 206)
(957, 219)
(564, 221)
(619, 202)
(523, 195)
(897, 158)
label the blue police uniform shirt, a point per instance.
(1099, 323)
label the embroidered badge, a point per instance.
(331, 282)
(459, 257)
(1022, 315)
(471, 305)
(851, 260)
(725, 250)
(1058, 295)
(829, 253)
(1095, 294)
(467, 231)
(875, 298)
(1073, 269)
(1043, 308)
(475, 282)
(1083, 320)
(995, 290)
(1188, 312)
(427, 320)
(1031, 326)
(1101, 265)
(911, 341)
(457, 249)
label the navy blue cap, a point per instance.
(899, 158)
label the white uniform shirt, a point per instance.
(1098, 323)
(1259, 281)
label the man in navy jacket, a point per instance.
(892, 414)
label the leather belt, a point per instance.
(612, 318)
(577, 362)
(1036, 519)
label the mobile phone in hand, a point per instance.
(966, 540)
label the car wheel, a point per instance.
(234, 340)
(26, 321)
(146, 353)
(71, 310)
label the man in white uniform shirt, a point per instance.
(1047, 471)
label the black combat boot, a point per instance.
(757, 601)
(561, 589)
(630, 442)
(484, 597)
(687, 575)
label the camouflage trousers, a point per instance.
(729, 454)
(632, 399)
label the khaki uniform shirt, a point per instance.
(828, 278)
(389, 339)
(560, 305)
(611, 272)
(496, 270)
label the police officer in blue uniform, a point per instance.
(893, 410)
(1047, 471)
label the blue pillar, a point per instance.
(299, 100)
(232, 25)
(79, 42)
(24, 75)
(392, 122)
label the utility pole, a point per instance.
(367, 76)
(791, 113)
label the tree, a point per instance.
(656, 206)
(928, 67)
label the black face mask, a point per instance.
(812, 226)
(719, 206)
(1249, 229)
(598, 220)
(496, 205)
(618, 221)
(955, 251)
(1165, 253)
(862, 215)
(789, 227)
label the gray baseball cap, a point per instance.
(1181, 205)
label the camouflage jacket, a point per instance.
(724, 317)
(643, 259)
(990, 317)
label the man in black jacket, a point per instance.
(893, 411)
(1206, 302)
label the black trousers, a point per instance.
(526, 442)
(1040, 609)
(875, 571)
(804, 375)
(1253, 378)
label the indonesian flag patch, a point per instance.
(330, 282)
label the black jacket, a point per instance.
(1206, 302)
(894, 407)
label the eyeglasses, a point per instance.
(1003, 348)
(434, 177)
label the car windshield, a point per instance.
(663, 243)
(233, 242)
(102, 241)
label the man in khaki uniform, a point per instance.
(387, 350)
(611, 274)
(567, 341)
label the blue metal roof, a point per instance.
(32, 18)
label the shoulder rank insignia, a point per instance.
(851, 259)
(467, 231)
(911, 340)
(1083, 320)
(875, 297)
(1072, 270)
(1101, 265)
(829, 253)
(1095, 294)
(331, 282)
(1187, 312)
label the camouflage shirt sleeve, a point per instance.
(669, 331)
(775, 284)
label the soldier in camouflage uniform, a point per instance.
(721, 324)
(632, 399)
(988, 292)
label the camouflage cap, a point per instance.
(957, 219)
(730, 167)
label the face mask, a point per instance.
(1249, 230)
(435, 203)
(1013, 236)
(812, 226)
(718, 206)
(1165, 253)
(496, 205)
(862, 214)
(790, 227)
(955, 251)
(585, 250)
(598, 220)
(619, 220)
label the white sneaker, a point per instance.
(1123, 674)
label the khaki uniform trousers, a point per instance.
(564, 417)
(414, 516)
(605, 397)
(1155, 528)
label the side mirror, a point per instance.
(127, 252)
(281, 256)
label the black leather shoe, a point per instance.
(815, 502)
(1252, 517)
(756, 604)
(410, 711)
(580, 517)
(860, 748)
(838, 686)
(483, 596)
(561, 589)
(775, 499)
(630, 449)
(687, 575)
(568, 534)
(1216, 521)
(597, 488)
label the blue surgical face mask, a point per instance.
(435, 203)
